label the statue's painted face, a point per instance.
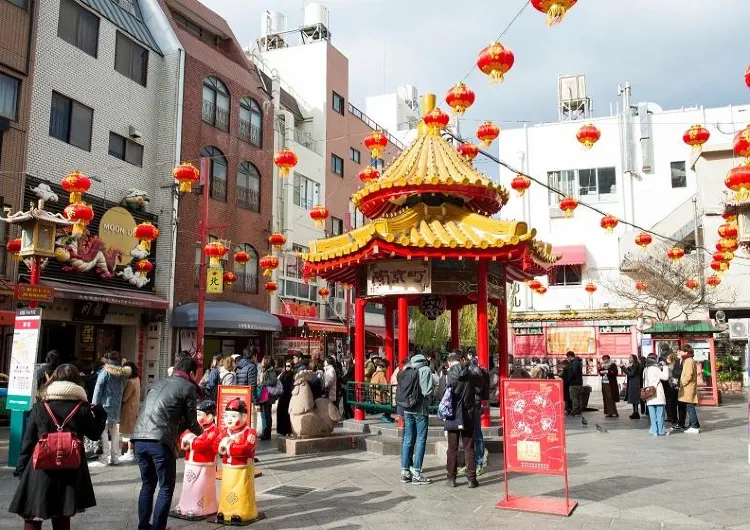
(234, 419)
(205, 419)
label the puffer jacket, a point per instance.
(246, 373)
(463, 393)
(110, 385)
(169, 410)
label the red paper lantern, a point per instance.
(369, 173)
(723, 255)
(468, 150)
(80, 214)
(568, 206)
(609, 222)
(696, 136)
(738, 180)
(323, 292)
(14, 248)
(494, 61)
(535, 284)
(590, 288)
(742, 143)
(277, 240)
(691, 284)
(241, 257)
(215, 250)
(713, 281)
(376, 142)
(76, 183)
(487, 132)
(588, 135)
(271, 286)
(541, 291)
(728, 230)
(285, 160)
(460, 98)
(143, 267)
(747, 76)
(146, 233)
(555, 9)
(729, 217)
(186, 174)
(269, 264)
(641, 286)
(436, 120)
(727, 245)
(675, 254)
(520, 183)
(643, 240)
(319, 214)
(719, 266)
(229, 279)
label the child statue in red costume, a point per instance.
(198, 499)
(236, 445)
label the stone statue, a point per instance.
(310, 418)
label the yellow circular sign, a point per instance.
(116, 232)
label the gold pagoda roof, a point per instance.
(428, 166)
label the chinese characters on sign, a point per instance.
(297, 310)
(399, 277)
(89, 311)
(226, 393)
(35, 293)
(23, 359)
(215, 281)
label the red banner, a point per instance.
(534, 426)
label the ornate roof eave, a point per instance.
(38, 214)
(573, 314)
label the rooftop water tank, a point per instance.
(272, 22)
(315, 14)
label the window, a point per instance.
(131, 60)
(9, 97)
(293, 286)
(215, 103)
(197, 30)
(679, 176)
(567, 275)
(354, 155)
(248, 187)
(358, 218)
(379, 165)
(125, 149)
(4, 235)
(71, 121)
(306, 192)
(337, 226)
(338, 103)
(294, 266)
(78, 26)
(337, 165)
(22, 4)
(597, 184)
(563, 181)
(251, 121)
(247, 275)
(218, 187)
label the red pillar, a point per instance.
(502, 347)
(205, 169)
(483, 339)
(359, 349)
(389, 339)
(454, 329)
(403, 329)
(35, 270)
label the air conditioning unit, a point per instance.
(738, 328)
(339, 307)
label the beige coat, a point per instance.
(688, 382)
(131, 402)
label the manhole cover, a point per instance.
(289, 491)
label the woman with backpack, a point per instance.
(52, 493)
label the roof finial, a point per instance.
(428, 104)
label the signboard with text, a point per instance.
(23, 359)
(297, 310)
(35, 293)
(399, 277)
(226, 393)
(214, 281)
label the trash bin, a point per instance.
(585, 394)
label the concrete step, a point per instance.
(435, 432)
(385, 445)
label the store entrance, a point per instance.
(59, 336)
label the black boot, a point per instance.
(236, 520)
(450, 482)
(220, 518)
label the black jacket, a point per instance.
(482, 377)
(463, 394)
(169, 410)
(247, 373)
(576, 372)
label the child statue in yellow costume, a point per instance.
(236, 446)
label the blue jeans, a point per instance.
(478, 439)
(266, 419)
(414, 442)
(656, 414)
(692, 415)
(157, 463)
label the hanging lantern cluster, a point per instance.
(432, 306)
(494, 61)
(726, 244)
(520, 183)
(487, 132)
(324, 292)
(588, 135)
(146, 233)
(436, 120)
(186, 174)
(468, 151)
(691, 284)
(143, 267)
(285, 160)
(78, 212)
(568, 206)
(641, 286)
(460, 98)
(369, 173)
(675, 254)
(741, 144)
(14, 248)
(76, 183)
(555, 9)
(696, 136)
(728, 230)
(229, 279)
(643, 240)
(376, 142)
(277, 240)
(534, 284)
(713, 281)
(215, 250)
(269, 264)
(590, 288)
(271, 286)
(319, 214)
(738, 180)
(609, 223)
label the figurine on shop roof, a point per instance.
(236, 445)
(198, 499)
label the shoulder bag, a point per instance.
(58, 450)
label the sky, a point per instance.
(673, 52)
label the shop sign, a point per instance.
(89, 311)
(214, 281)
(312, 346)
(35, 293)
(298, 310)
(21, 378)
(399, 277)
(7, 318)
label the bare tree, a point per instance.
(666, 296)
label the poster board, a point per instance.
(226, 393)
(534, 440)
(22, 376)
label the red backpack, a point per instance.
(58, 450)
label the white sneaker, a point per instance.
(692, 430)
(99, 462)
(127, 458)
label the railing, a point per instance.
(374, 398)
(251, 133)
(304, 139)
(246, 283)
(248, 199)
(218, 189)
(374, 125)
(214, 115)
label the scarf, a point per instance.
(186, 377)
(64, 391)
(607, 364)
(685, 355)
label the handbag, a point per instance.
(277, 389)
(263, 394)
(648, 392)
(445, 408)
(58, 450)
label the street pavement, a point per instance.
(622, 479)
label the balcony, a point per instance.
(305, 140)
(374, 126)
(246, 282)
(248, 199)
(218, 189)
(215, 116)
(251, 133)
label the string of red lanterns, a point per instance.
(215, 250)
(675, 254)
(186, 174)
(269, 264)
(76, 183)
(568, 206)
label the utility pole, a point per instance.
(699, 247)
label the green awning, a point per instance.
(692, 327)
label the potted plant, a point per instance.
(729, 373)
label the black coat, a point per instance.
(283, 422)
(247, 373)
(576, 372)
(634, 383)
(463, 394)
(46, 494)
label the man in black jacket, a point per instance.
(575, 382)
(461, 424)
(247, 369)
(170, 408)
(482, 380)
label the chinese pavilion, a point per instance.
(431, 243)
